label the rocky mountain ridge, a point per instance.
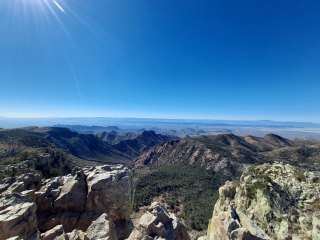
(229, 153)
(271, 201)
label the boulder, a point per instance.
(23, 182)
(271, 201)
(17, 217)
(53, 233)
(158, 223)
(61, 201)
(74, 235)
(94, 199)
(102, 229)
(74, 201)
(109, 192)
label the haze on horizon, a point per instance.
(246, 60)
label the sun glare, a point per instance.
(43, 7)
(58, 6)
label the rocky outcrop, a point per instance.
(271, 201)
(53, 233)
(108, 191)
(157, 223)
(100, 229)
(88, 204)
(61, 200)
(17, 217)
(23, 182)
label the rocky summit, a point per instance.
(88, 204)
(88, 200)
(271, 201)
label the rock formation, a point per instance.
(157, 223)
(18, 217)
(271, 201)
(88, 204)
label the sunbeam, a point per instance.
(58, 6)
(38, 7)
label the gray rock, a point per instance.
(53, 233)
(17, 217)
(102, 229)
(273, 201)
(157, 223)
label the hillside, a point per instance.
(114, 137)
(86, 146)
(147, 139)
(228, 152)
(180, 171)
(82, 146)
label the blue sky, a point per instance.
(161, 58)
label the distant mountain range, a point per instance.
(87, 147)
(177, 127)
(227, 154)
(82, 146)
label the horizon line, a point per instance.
(157, 118)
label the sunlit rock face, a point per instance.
(108, 191)
(271, 201)
(158, 223)
(17, 217)
(67, 205)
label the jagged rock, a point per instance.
(27, 181)
(61, 200)
(74, 201)
(17, 217)
(157, 223)
(108, 192)
(272, 201)
(66, 203)
(72, 195)
(53, 233)
(74, 235)
(102, 229)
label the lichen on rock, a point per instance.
(273, 201)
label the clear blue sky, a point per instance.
(228, 59)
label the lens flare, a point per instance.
(37, 8)
(58, 6)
